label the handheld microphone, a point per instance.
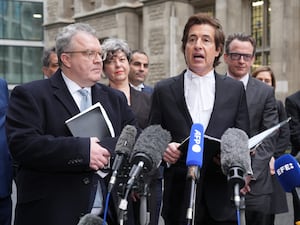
(147, 154)
(123, 148)
(288, 172)
(91, 219)
(235, 160)
(194, 159)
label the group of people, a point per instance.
(57, 180)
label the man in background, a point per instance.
(50, 62)
(139, 68)
(239, 56)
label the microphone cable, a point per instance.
(106, 208)
(238, 216)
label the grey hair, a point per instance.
(46, 56)
(64, 37)
(112, 45)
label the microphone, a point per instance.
(288, 172)
(235, 160)
(146, 155)
(194, 159)
(91, 219)
(123, 148)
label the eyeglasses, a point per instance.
(238, 56)
(90, 54)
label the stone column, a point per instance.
(163, 27)
(285, 46)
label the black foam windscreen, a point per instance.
(126, 140)
(91, 219)
(150, 146)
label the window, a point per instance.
(20, 64)
(21, 38)
(260, 27)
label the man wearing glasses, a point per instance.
(57, 181)
(240, 56)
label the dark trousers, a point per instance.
(257, 218)
(5, 210)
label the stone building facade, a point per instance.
(156, 27)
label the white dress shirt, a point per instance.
(199, 93)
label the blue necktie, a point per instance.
(98, 201)
(85, 99)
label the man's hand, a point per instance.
(99, 156)
(172, 153)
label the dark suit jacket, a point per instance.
(140, 105)
(5, 159)
(170, 110)
(54, 182)
(292, 106)
(263, 115)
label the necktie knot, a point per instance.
(85, 99)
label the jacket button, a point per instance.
(86, 180)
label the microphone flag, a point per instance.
(195, 147)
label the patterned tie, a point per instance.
(85, 99)
(98, 201)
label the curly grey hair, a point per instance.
(112, 45)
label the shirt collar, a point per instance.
(72, 86)
(244, 79)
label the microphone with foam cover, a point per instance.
(235, 159)
(147, 154)
(149, 147)
(123, 149)
(91, 219)
(288, 172)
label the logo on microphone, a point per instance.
(285, 168)
(195, 148)
(197, 141)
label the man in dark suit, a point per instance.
(57, 180)
(239, 56)
(198, 95)
(292, 105)
(139, 69)
(5, 161)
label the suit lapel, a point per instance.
(61, 92)
(218, 98)
(177, 89)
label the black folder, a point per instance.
(92, 122)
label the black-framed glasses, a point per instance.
(90, 54)
(238, 56)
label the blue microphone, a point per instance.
(195, 148)
(194, 161)
(288, 172)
